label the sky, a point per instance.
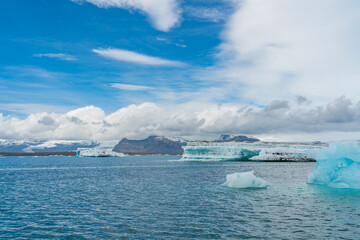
(106, 69)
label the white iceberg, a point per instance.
(244, 180)
(288, 153)
(97, 152)
(337, 166)
(246, 151)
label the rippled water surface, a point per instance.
(154, 198)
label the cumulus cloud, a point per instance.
(277, 104)
(133, 57)
(163, 14)
(302, 100)
(137, 121)
(61, 56)
(340, 111)
(278, 49)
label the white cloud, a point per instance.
(162, 39)
(283, 48)
(206, 13)
(180, 45)
(130, 87)
(164, 14)
(133, 57)
(61, 56)
(170, 42)
(280, 120)
(89, 114)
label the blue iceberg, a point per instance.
(337, 166)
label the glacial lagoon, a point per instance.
(154, 197)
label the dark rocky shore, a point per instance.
(30, 154)
(37, 153)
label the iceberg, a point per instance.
(337, 166)
(288, 154)
(97, 152)
(213, 151)
(244, 180)
(248, 151)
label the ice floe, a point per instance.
(244, 180)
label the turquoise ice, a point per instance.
(337, 166)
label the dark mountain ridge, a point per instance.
(163, 145)
(239, 138)
(152, 144)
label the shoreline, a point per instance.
(144, 154)
(33, 154)
(16, 154)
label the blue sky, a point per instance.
(107, 69)
(47, 56)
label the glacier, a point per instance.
(244, 180)
(97, 152)
(337, 166)
(248, 151)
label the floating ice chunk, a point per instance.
(96, 152)
(337, 166)
(244, 180)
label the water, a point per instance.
(150, 197)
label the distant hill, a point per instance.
(152, 144)
(20, 146)
(239, 138)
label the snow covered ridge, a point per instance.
(97, 152)
(28, 145)
(246, 151)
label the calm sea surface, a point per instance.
(150, 197)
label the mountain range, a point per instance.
(150, 145)
(160, 144)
